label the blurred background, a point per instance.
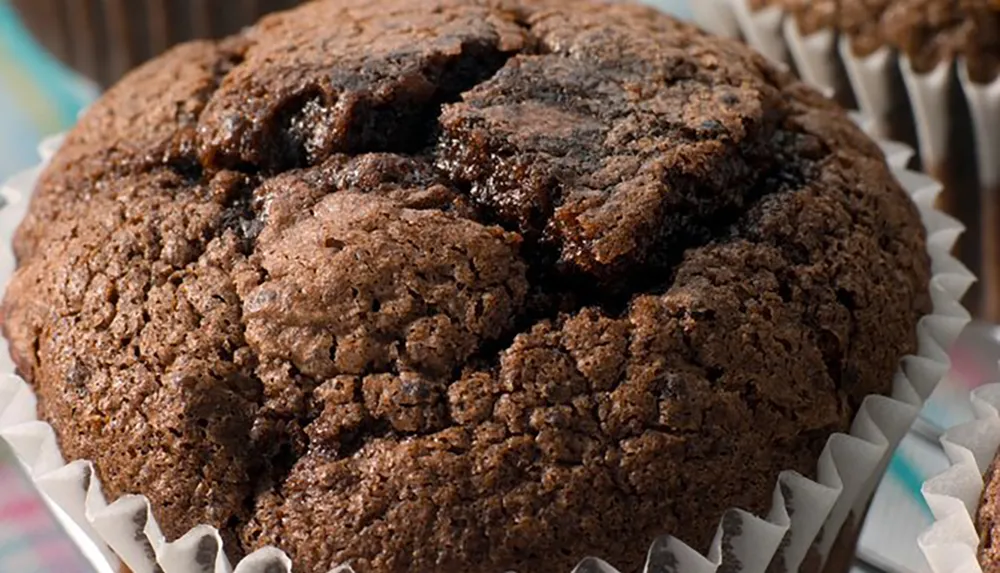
(40, 97)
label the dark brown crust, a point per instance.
(471, 288)
(927, 31)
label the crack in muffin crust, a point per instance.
(461, 285)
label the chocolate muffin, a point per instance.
(988, 521)
(461, 285)
(103, 40)
(927, 31)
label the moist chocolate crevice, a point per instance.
(408, 127)
(242, 210)
(562, 288)
(386, 103)
(532, 146)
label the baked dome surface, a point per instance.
(455, 285)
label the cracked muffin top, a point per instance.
(461, 285)
(928, 32)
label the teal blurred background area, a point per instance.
(38, 97)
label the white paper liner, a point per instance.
(984, 105)
(931, 110)
(716, 16)
(806, 515)
(872, 79)
(951, 543)
(760, 28)
(815, 56)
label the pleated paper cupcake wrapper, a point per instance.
(827, 61)
(805, 519)
(104, 40)
(951, 543)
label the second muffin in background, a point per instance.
(103, 40)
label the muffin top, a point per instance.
(927, 31)
(460, 285)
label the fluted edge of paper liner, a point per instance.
(805, 514)
(951, 543)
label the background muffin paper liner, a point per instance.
(884, 86)
(951, 544)
(103, 40)
(805, 519)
